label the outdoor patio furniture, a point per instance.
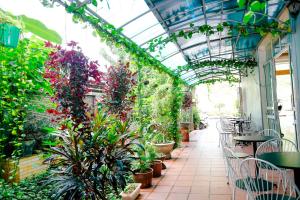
(276, 145)
(235, 179)
(280, 185)
(286, 160)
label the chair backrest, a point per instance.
(269, 132)
(276, 145)
(271, 183)
(232, 164)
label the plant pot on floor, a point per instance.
(27, 148)
(144, 178)
(157, 167)
(185, 134)
(162, 158)
(133, 193)
(165, 148)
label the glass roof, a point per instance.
(143, 20)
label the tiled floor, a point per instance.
(197, 171)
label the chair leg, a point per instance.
(233, 193)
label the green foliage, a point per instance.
(175, 111)
(145, 155)
(21, 75)
(244, 67)
(244, 29)
(89, 164)
(196, 116)
(38, 28)
(28, 189)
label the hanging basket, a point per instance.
(9, 35)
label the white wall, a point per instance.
(251, 98)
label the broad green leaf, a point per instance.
(255, 6)
(241, 3)
(38, 28)
(263, 6)
(95, 3)
(248, 16)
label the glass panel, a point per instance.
(119, 12)
(175, 61)
(139, 25)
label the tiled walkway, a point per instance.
(197, 171)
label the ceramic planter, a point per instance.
(9, 35)
(144, 178)
(134, 194)
(28, 147)
(165, 148)
(185, 131)
(157, 167)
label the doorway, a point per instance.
(284, 91)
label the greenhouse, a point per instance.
(149, 99)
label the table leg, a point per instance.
(254, 144)
(297, 177)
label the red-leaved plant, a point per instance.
(118, 84)
(70, 73)
(187, 101)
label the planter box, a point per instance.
(9, 35)
(133, 195)
(27, 166)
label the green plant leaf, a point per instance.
(38, 28)
(95, 3)
(241, 3)
(255, 6)
(248, 16)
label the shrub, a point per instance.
(87, 167)
(119, 82)
(70, 72)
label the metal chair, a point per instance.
(271, 184)
(276, 145)
(233, 171)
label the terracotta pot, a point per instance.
(144, 178)
(162, 158)
(157, 167)
(165, 148)
(134, 194)
(185, 134)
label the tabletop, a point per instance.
(287, 160)
(253, 138)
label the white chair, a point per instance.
(271, 184)
(276, 145)
(233, 171)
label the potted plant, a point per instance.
(142, 172)
(163, 144)
(131, 191)
(156, 164)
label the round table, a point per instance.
(253, 139)
(287, 160)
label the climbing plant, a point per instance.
(243, 29)
(21, 78)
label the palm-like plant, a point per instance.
(88, 164)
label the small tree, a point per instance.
(119, 82)
(70, 73)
